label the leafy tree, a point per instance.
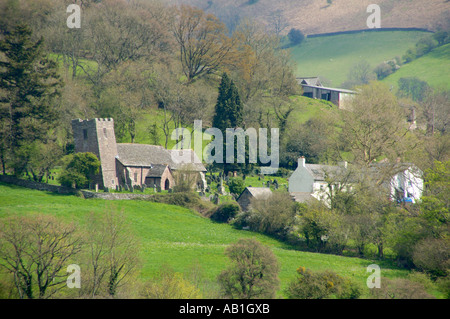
(253, 272)
(374, 126)
(424, 46)
(360, 73)
(236, 185)
(413, 88)
(314, 139)
(441, 37)
(320, 228)
(296, 36)
(435, 202)
(80, 170)
(29, 84)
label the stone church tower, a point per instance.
(97, 136)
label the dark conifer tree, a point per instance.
(28, 84)
(228, 112)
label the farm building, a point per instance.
(249, 193)
(312, 88)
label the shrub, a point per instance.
(383, 70)
(283, 172)
(225, 212)
(272, 215)
(80, 170)
(186, 199)
(444, 286)
(433, 256)
(170, 285)
(399, 289)
(321, 285)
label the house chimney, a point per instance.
(343, 164)
(301, 161)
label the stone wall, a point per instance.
(114, 196)
(65, 190)
(35, 185)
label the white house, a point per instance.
(312, 181)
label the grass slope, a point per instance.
(332, 57)
(433, 68)
(179, 237)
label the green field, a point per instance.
(176, 236)
(433, 68)
(331, 57)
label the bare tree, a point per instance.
(203, 43)
(35, 250)
(435, 111)
(112, 253)
(375, 126)
(277, 22)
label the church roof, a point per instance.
(157, 170)
(151, 155)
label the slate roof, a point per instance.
(157, 170)
(302, 197)
(259, 191)
(150, 155)
(319, 172)
(329, 89)
(313, 80)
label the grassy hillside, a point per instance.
(178, 237)
(433, 68)
(332, 57)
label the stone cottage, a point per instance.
(130, 164)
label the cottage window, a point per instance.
(135, 177)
